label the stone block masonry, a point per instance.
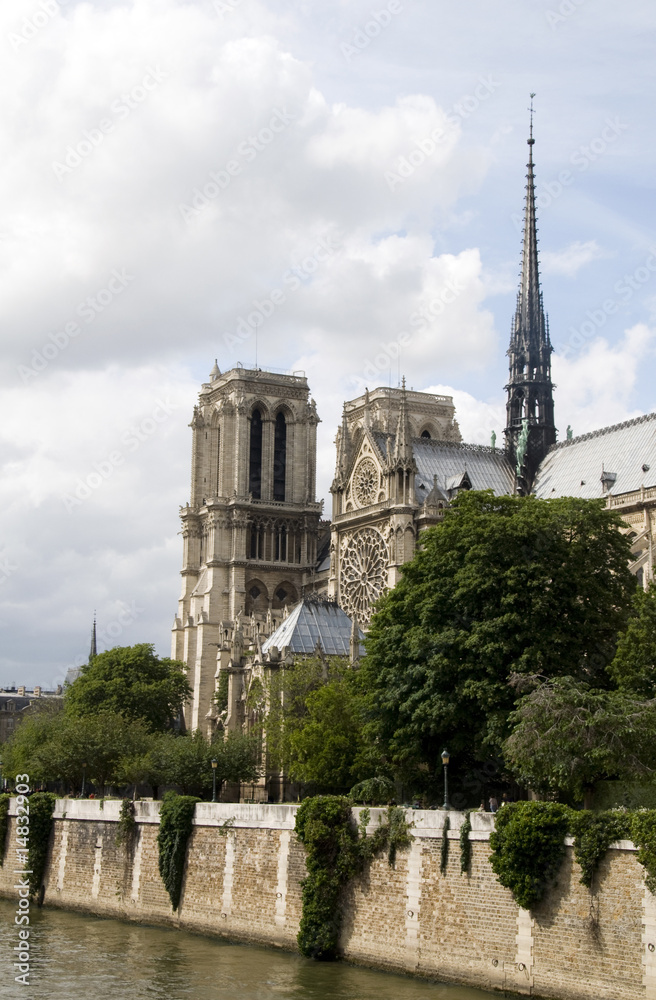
(243, 881)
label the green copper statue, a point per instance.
(522, 445)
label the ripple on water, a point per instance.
(78, 957)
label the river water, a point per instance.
(80, 957)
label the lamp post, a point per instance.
(2, 780)
(84, 775)
(445, 761)
(214, 763)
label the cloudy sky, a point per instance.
(166, 164)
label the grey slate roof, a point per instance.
(487, 468)
(314, 620)
(574, 468)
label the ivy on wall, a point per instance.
(4, 824)
(444, 855)
(528, 846)
(465, 845)
(336, 851)
(175, 825)
(643, 835)
(42, 806)
(593, 834)
(127, 825)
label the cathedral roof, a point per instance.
(485, 467)
(624, 454)
(314, 621)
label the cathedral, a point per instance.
(255, 544)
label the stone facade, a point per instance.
(243, 882)
(251, 528)
(377, 514)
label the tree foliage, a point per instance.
(112, 749)
(506, 586)
(568, 736)
(53, 746)
(131, 681)
(312, 715)
(634, 666)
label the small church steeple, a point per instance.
(530, 429)
(93, 649)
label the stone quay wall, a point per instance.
(243, 882)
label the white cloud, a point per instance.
(596, 388)
(147, 99)
(572, 258)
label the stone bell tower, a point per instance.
(251, 525)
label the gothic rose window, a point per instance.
(363, 576)
(365, 483)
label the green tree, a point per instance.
(634, 666)
(131, 681)
(315, 728)
(57, 746)
(185, 760)
(568, 736)
(504, 586)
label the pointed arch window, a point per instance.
(255, 464)
(279, 457)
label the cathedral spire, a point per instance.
(93, 649)
(530, 429)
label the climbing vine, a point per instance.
(465, 844)
(336, 851)
(4, 824)
(643, 834)
(444, 858)
(175, 825)
(593, 835)
(528, 846)
(127, 825)
(42, 806)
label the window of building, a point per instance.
(255, 464)
(279, 457)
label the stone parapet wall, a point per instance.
(243, 881)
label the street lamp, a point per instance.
(84, 775)
(214, 763)
(445, 761)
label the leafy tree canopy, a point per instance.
(504, 586)
(53, 746)
(568, 736)
(131, 681)
(634, 666)
(312, 714)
